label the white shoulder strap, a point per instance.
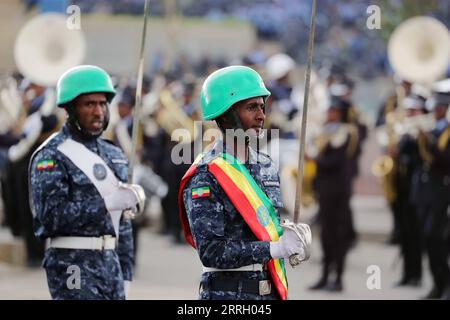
(95, 168)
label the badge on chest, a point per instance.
(99, 171)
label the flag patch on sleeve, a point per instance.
(45, 164)
(201, 192)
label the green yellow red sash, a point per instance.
(249, 200)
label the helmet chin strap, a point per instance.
(85, 134)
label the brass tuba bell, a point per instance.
(419, 49)
(45, 48)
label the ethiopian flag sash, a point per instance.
(249, 200)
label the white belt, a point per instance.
(252, 267)
(107, 242)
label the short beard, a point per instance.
(82, 132)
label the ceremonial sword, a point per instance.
(295, 260)
(138, 104)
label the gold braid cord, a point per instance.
(443, 139)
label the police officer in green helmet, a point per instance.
(235, 98)
(230, 197)
(78, 194)
(86, 85)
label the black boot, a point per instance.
(335, 286)
(322, 283)
(435, 293)
(413, 281)
(446, 293)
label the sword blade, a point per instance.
(138, 104)
(301, 156)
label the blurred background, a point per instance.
(360, 71)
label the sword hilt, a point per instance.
(304, 233)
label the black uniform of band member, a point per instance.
(333, 185)
(433, 182)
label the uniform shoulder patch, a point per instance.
(201, 192)
(45, 164)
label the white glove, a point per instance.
(126, 287)
(126, 196)
(288, 244)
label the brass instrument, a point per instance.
(384, 166)
(44, 49)
(309, 173)
(419, 49)
(171, 117)
(419, 52)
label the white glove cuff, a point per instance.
(276, 250)
(126, 287)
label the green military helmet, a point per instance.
(82, 80)
(226, 86)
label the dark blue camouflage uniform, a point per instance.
(66, 203)
(223, 239)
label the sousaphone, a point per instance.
(419, 49)
(45, 48)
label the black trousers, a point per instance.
(410, 238)
(336, 231)
(435, 221)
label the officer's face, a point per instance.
(124, 109)
(413, 112)
(91, 110)
(251, 114)
(333, 115)
(440, 111)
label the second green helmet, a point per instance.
(226, 86)
(82, 80)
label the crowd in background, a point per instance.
(341, 31)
